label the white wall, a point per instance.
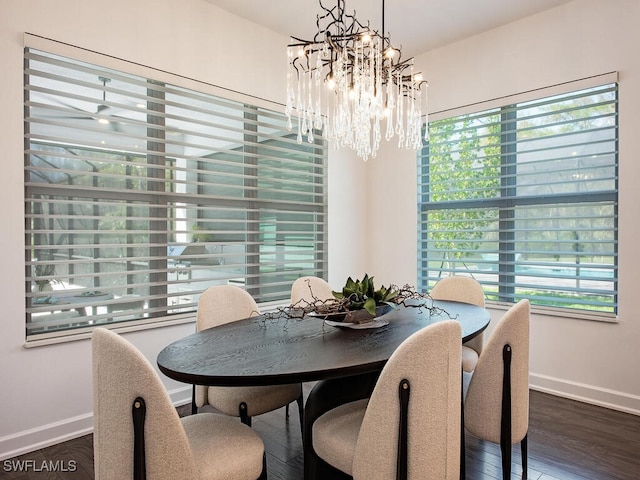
(349, 246)
(587, 360)
(45, 393)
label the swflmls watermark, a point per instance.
(39, 466)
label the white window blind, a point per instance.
(139, 194)
(524, 198)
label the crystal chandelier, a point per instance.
(348, 80)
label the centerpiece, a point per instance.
(359, 302)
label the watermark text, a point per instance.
(39, 466)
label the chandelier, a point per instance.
(349, 81)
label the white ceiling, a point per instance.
(414, 25)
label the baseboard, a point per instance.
(181, 396)
(58, 432)
(44, 436)
(47, 435)
(581, 392)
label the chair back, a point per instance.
(120, 375)
(459, 288)
(482, 414)
(430, 361)
(306, 288)
(222, 304)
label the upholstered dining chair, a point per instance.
(310, 289)
(222, 304)
(460, 288)
(137, 432)
(496, 400)
(411, 424)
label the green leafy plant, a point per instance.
(201, 234)
(360, 294)
(358, 302)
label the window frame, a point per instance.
(259, 115)
(507, 258)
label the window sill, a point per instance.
(84, 333)
(557, 312)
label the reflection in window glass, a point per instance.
(524, 199)
(141, 194)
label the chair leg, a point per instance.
(524, 448)
(286, 411)
(463, 456)
(505, 450)
(300, 401)
(505, 421)
(263, 474)
(244, 418)
(194, 407)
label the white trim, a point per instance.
(44, 436)
(34, 439)
(54, 433)
(559, 312)
(181, 395)
(602, 397)
(84, 333)
(79, 53)
(550, 91)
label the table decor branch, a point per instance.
(358, 301)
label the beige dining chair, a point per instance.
(460, 288)
(138, 435)
(411, 423)
(310, 290)
(496, 400)
(221, 304)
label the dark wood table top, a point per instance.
(258, 352)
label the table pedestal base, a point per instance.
(326, 395)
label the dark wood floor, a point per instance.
(568, 440)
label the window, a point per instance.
(139, 194)
(523, 197)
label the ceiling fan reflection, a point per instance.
(101, 113)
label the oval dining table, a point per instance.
(343, 361)
(259, 351)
